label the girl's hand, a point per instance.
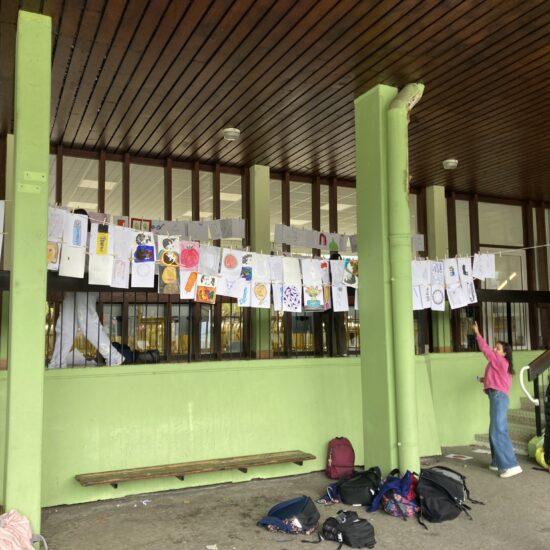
(475, 328)
(481, 379)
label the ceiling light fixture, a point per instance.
(231, 134)
(450, 164)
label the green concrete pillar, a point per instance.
(401, 283)
(23, 472)
(377, 363)
(260, 242)
(438, 248)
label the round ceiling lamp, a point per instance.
(231, 134)
(450, 164)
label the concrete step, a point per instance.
(520, 446)
(523, 417)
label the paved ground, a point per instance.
(516, 516)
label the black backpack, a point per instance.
(362, 487)
(442, 493)
(349, 529)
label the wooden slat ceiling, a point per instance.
(161, 78)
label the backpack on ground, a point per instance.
(361, 488)
(442, 493)
(297, 516)
(340, 458)
(349, 529)
(397, 495)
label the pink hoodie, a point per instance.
(497, 376)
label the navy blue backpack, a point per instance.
(297, 516)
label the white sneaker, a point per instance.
(514, 471)
(493, 468)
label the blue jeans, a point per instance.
(502, 452)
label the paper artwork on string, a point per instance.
(451, 271)
(206, 289)
(292, 298)
(121, 273)
(490, 267)
(75, 229)
(484, 266)
(215, 230)
(340, 298)
(143, 272)
(99, 217)
(334, 241)
(456, 296)
(417, 298)
(189, 255)
(311, 272)
(123, 241)
(261, 295)
(169, 280)
(351, 273)
(188, 284)
(277, 290)
(437, 297)
(198, 231)
(287, 234)
(356, 301)
(469, 289)
(313, 298)
(143, 249)
(325, 271)
(337, 271)
(327, 300)
(228, 286)
(244, 290)
(56, 223)
(100, 269)
(246, 267)
(101, 240)
(426, 296)
(169, 251)
(120, 221)
(418, 242)
(276, 269)
(291, 270)
(54, 254)
(141, 225)
(209, 262)
(261, 267)
(343, 242)
(238, 229)
(437, 273)
(226, 229)
(465, 269)
(72, 261)
(180, 229)
(353, 242)
(420, 272)
(322, 239)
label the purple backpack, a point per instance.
(340, 459)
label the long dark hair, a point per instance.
(507, 349)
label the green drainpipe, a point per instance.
(400, 269)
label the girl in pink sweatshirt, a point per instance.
(497, 381)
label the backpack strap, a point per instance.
(461, 506)
(391, 496)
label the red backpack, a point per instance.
(340, 458)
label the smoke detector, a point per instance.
(231, 134)
(450, 164)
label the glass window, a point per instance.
(500, 224)
(146, 192)
(113, 188)
(206, 188)
(231, 200)
(325, 219)
(51, 180)
(347, 210)
(80, 183)
(510, 267)
(181, 194)
(463, 242)
(300, 210)
(275, 206)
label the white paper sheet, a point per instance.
(73, 261)
(56, 223)
(198, 231)
(311, 272)
(437, 272)
(54, 255)
(276, 269)
(188, 284)
(261, 267)
(100, 270)
(420, 272)
(417, 298)
(426, 296)
(123, 240)
(143, 274)
(465, 269)
(260, 296)
(75, 229)
(101, 240)
(478, 269)
(215, 229)
(238, 229)
(292, 297)
(337, 271)
(313, 298)
(231, 263)
(438, 297)
(353, 242)
(244, 288)
(349, 278)
(469, 289)
(121, 273)
(451, 271)
(121, 221)
(456, 296)
(228, 286)
(291, 271)
(340, 297)
(277, 290)
(209, 262)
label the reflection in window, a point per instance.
(181, 194)
(113, 188)
(51, 180)
(463, 242)
(325, 220)
(206, 188)
(80, 183)
(180, 329)
(146, 192)
(230, 200)
(347, 210)
(500, 224)
(146, 326)
(300, 210)
(275, 207)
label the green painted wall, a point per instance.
(99, 419)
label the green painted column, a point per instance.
(438, 248)
(401, 283)
(23, 466)
(260, 242)
(377, 363)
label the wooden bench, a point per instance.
(241, 463)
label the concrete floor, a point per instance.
(516, 516)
